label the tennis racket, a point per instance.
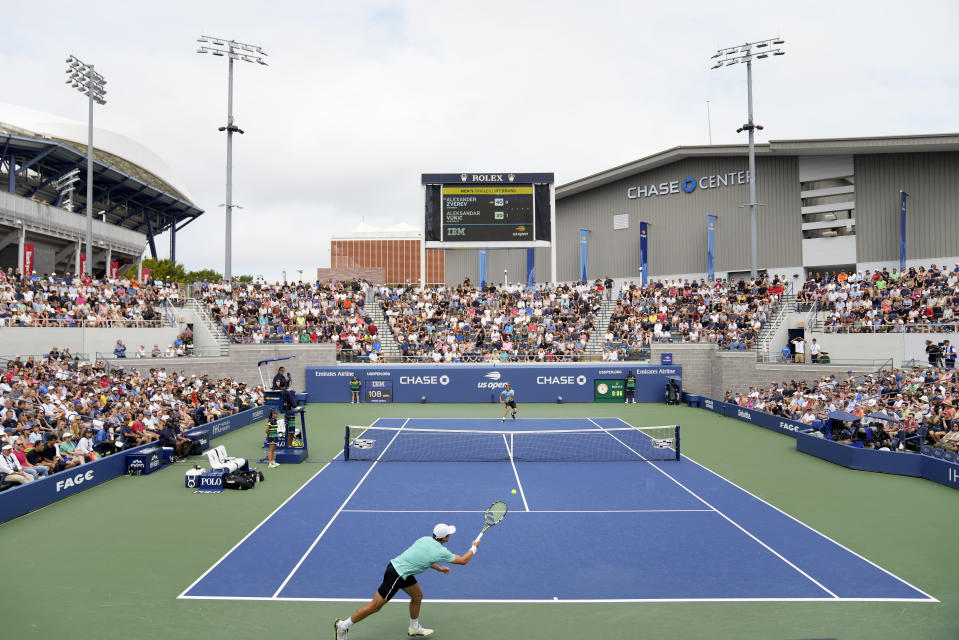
(495, 513)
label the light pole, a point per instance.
(82, 77)
(232, 50)
(734, 55)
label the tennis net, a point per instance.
(399, 444)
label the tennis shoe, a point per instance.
(422, 632)
(502, 419)
(339, 634)
(514, 415)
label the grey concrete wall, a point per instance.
(242, 360)
(710, 372)
(38, 340)
(901, 347)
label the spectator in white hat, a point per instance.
(10, 469)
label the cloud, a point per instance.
(360, 98)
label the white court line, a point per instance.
(515, 473)
(338, 511)
(181, 596)
(723, 515)
(561, 601)
(535, 511)
(216, 564)
(838, 544)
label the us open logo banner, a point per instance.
(360, 443)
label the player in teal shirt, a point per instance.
(508, 397)
(420, 556)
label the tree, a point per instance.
(203, 275)
(165, 270)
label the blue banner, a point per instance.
(530, 267)
(710, 247)
(482, 267)
(902, 230)
(644, 251)
(934, 464)
(483, 382)
(583, 254)
(39, 493)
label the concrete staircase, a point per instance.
(769, 331)
(600, 326)
(388, 344)
(216, 330)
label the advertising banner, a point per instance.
(83, 263)
(584, 254)
(114, 269)
(27, 258)
(25, 498)
(644, 250)
(902, 230)
(484, 382)
(146, 275)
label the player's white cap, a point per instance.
(442, 530)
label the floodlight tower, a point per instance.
(232, 50)
(82, 77)
(725, 58)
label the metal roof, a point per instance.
(824, 146)
(128, 195)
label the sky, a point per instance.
(361, 97)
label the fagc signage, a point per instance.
(688, 185)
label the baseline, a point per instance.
(850, 575)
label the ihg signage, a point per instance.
(688, 185)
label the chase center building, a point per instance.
(829, 204)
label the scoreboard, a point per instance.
(609, 390)
(487, 213)
(379, 391)
(501, 210)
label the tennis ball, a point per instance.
(513, 492)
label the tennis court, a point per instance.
(612, 528)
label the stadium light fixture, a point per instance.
(728, 57)
(231, 50)
(85, 79)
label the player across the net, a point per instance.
(399, 444)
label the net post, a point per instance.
(677, 442)
(346, 444)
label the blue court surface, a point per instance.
(613, 531)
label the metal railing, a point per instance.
(40, 356)
(891, 328)
(195, 352)
(87, 324)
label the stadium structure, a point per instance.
(824, 204)
(43, 163)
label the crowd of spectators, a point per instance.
(57, 412)
(917, 300)
(918, 404)
(306, 313)
(728, 314)
(74, 301)
(514, 323)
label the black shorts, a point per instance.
(392, 582)
(511, 403)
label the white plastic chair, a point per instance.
(233, 463)
(215, 462)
